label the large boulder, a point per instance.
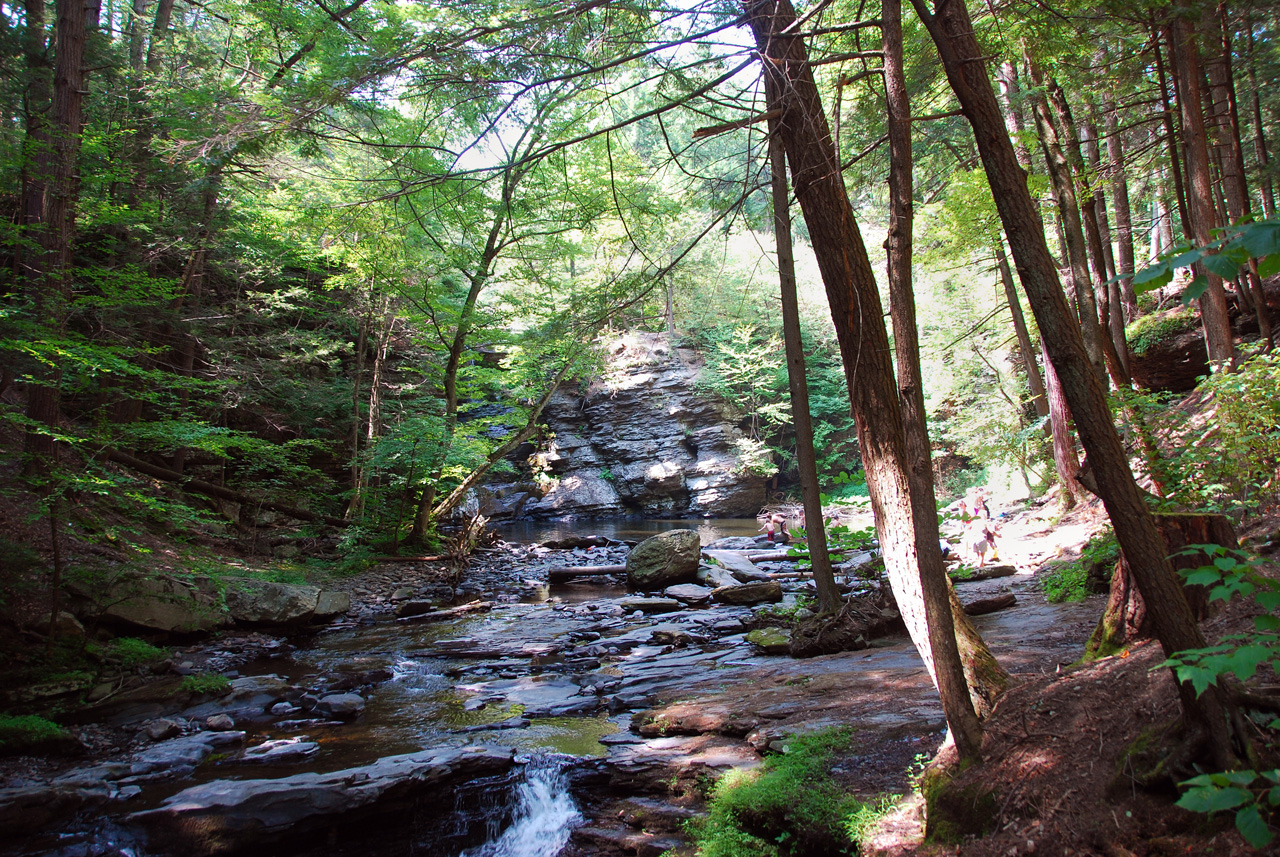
(664, 560)
(163, 603)
(262, 602)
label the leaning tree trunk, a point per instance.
(1207, 716)
(815, 532)
(983, 674)
(1127, 618)
(914, 564)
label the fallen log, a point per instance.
(983, 606)
(449, 612)
(408, 558)
(991, 572)
(561, 573)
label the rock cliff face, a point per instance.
(637, 440)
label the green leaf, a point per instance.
(1213, 799)
(1205, 576)
(1260, 239)
(1222, 265)
(1194, 290)
(1269, 266)
(1253, 827)
(1161, 272)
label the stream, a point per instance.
(545, 719)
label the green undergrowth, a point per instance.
(1070, 581)
(206, 683)
(27, 731)
(1151, 330)
(789, 806)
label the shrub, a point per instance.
(787, 806)
(18, 733)
(202, 683)
(1070, 581)
(132, 652)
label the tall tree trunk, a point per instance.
(815, 532)
(1124, 213)
(1224, 125)
(1171, 142)
(1113, 317)
(983, 674)
(75, 18)
(1053, 143)
(915, 568)
(1035, 383)
(1265, 184)
(953, 35)
(1213, 303)
(1065, 461)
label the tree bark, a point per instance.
(1035, 383)
(75, 18)
(1225, 129)
(1171, 142)
(1266, 186)
(1052, 142)
(1124, 213)
(1213, 303)
(915, 569)
(1126, 617)
(815, 531)
(1065, 461)
(984, 676)
(953, 35)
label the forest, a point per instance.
(284, 284)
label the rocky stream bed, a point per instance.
(400, 727)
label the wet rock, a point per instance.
(28, 809)
(342, 706)
(715, 576)
(162, 729)
(650, 605)
(246, 815)
(332, 604)
(179, 756)
(404, 593)
(689, 593)
(414, 608)
(282, 751)
(749, 593)
(219, 723)
(264, 602)
(771, 641)
(665, 559)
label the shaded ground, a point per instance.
(1056, 761)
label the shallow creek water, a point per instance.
(558, 674)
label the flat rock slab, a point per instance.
(737, 564)
(241, 816)
(749, 593)
(651, 605)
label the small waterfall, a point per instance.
(543, 814)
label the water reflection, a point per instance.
(625, 529)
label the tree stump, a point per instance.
(1125, 618)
